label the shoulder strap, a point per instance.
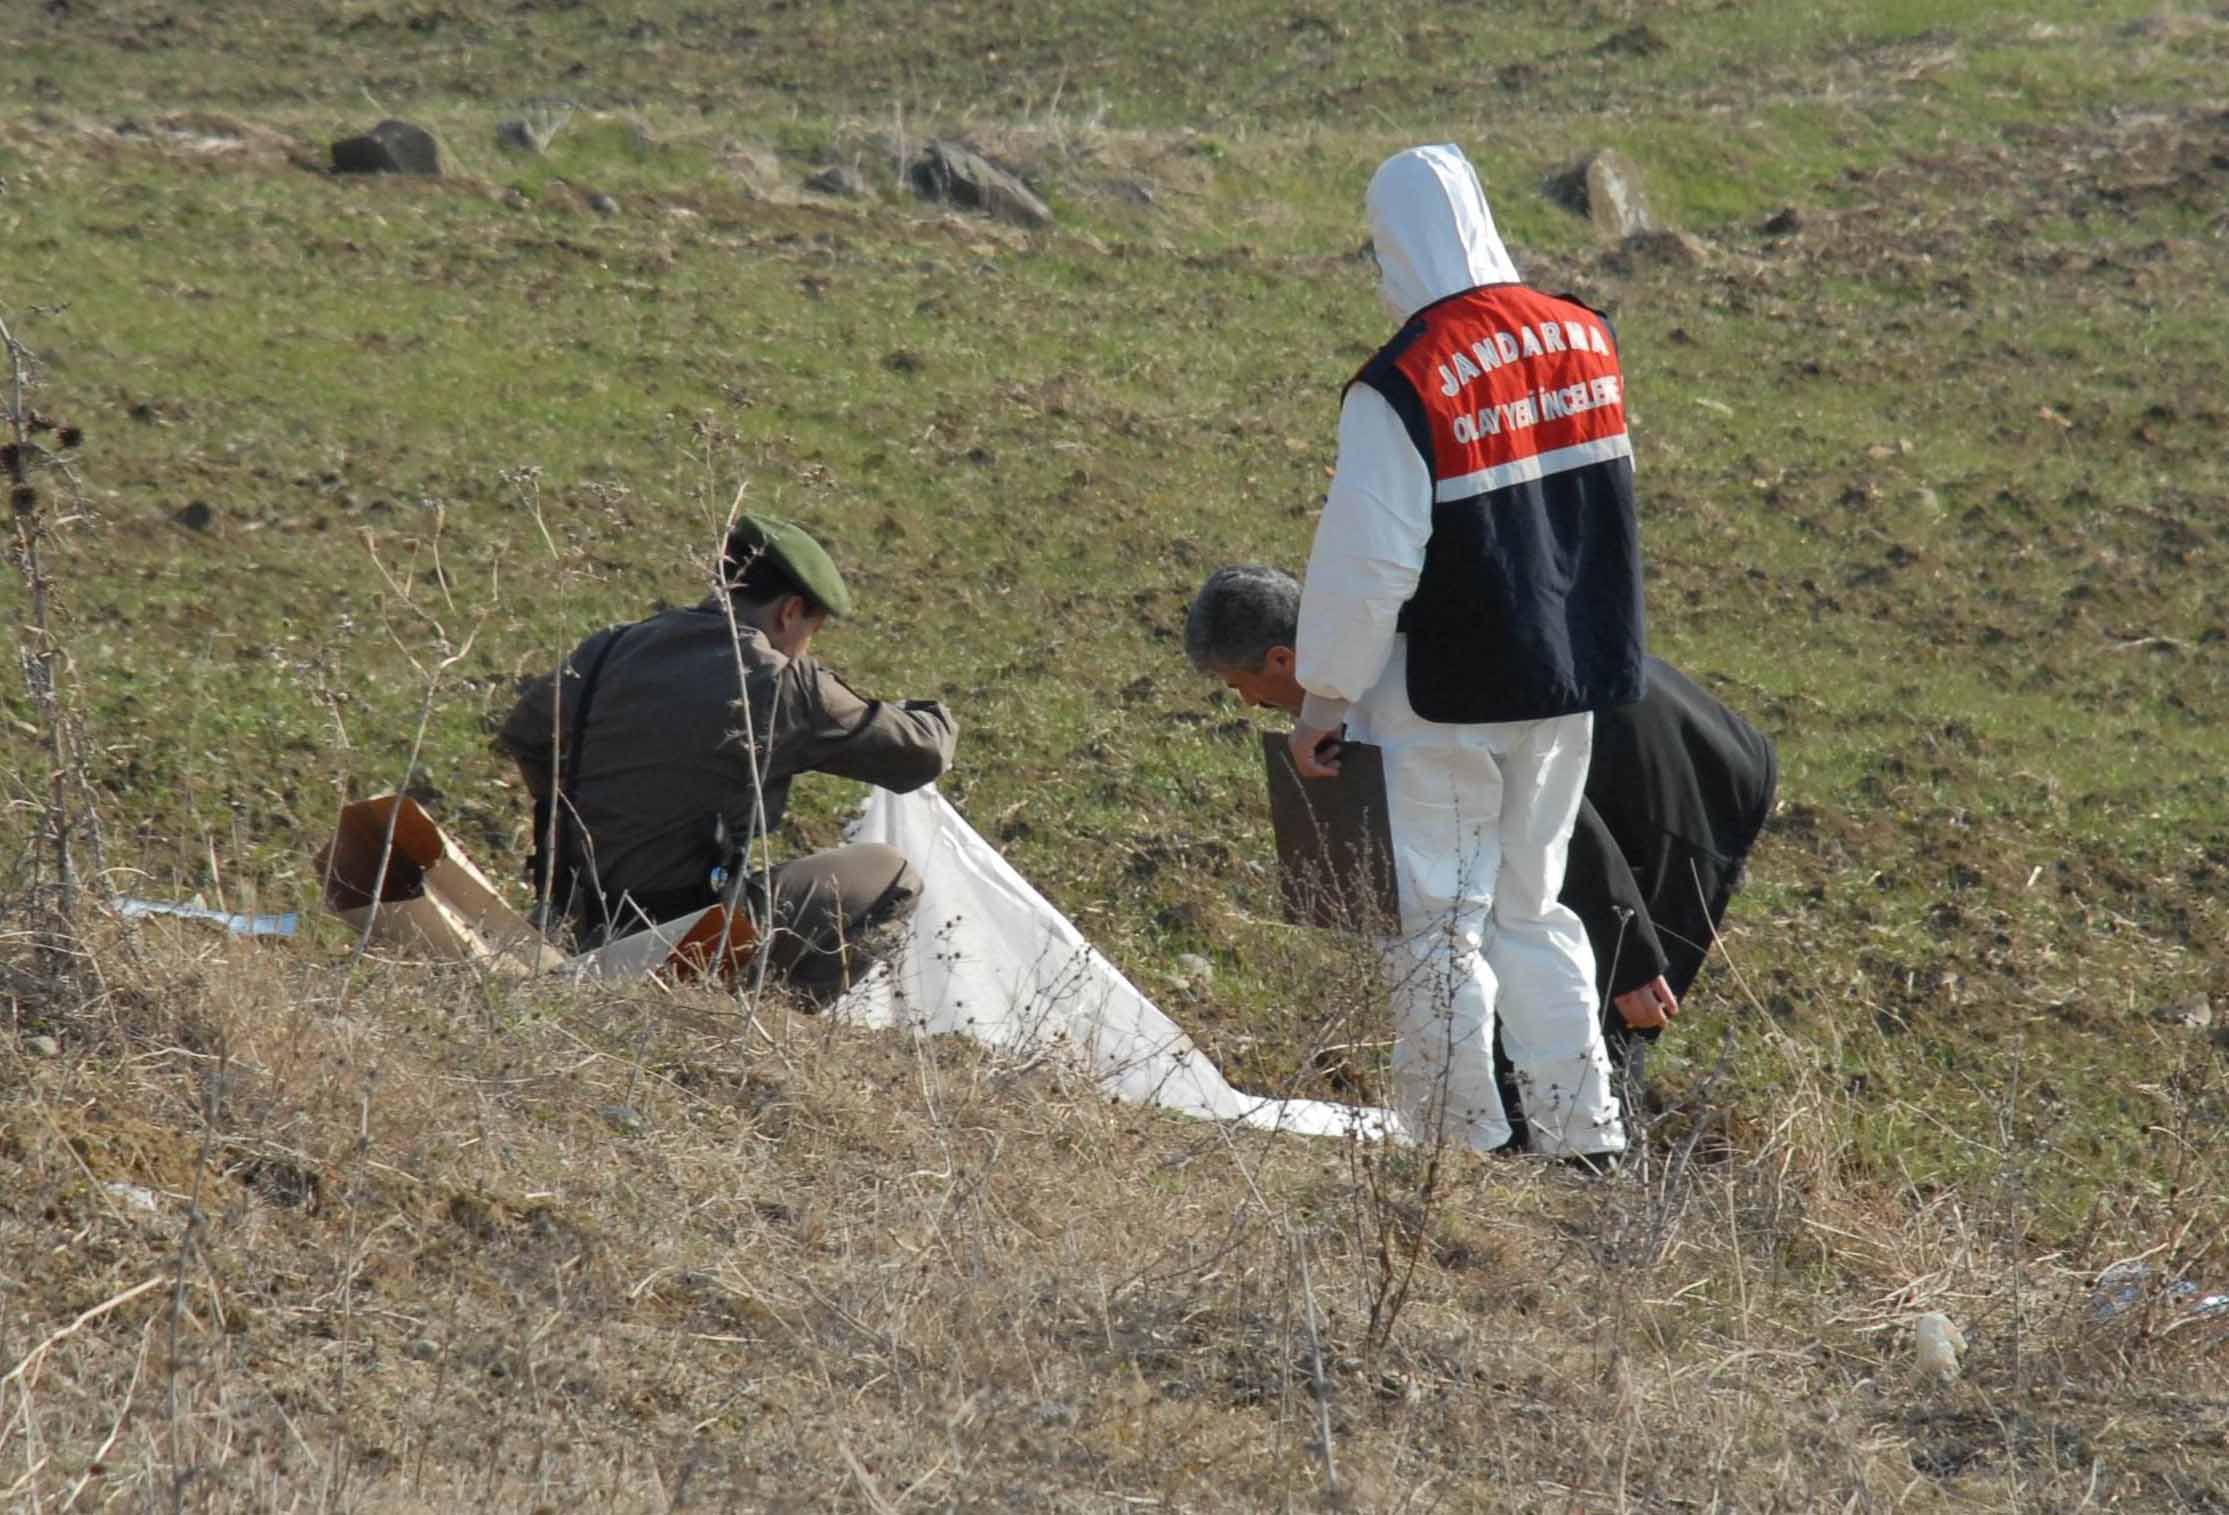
(1383, 374)
(570, 861)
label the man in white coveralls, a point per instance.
(1472, 596)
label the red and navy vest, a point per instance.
(1529, 605)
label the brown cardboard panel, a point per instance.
(349, 864)
(1334, 842)
(722, 942)
(430, 898)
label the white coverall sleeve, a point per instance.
(1368, 554)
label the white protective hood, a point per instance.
(1432, 232)
(1434, 237)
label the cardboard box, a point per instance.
(430, 899)
(433, 901)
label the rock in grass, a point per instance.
(391, 147)
(841, 180)
(520, 137)
(135, 1197)
(951, 175)
(603, 204)
(1615, 201)
(1633, 42)
(1605, 187)
(1936, 1345)
(42, 1046)
(2193, 1014)
(1141, 192)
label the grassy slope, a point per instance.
(1933, 487)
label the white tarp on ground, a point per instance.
(988, 957)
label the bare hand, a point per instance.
(1315, 752)
(1647, 1007)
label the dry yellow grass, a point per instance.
(422, 1241)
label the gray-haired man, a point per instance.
(1677, 789)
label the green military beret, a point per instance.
(793, 551)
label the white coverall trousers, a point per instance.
(1481, 818)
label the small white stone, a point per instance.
(135, 1198)
(1936, 1343)
(2195, 1013)
(1195, 967)
(42, 1046)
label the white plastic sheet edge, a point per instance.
(990, 958)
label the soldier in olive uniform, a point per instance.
(663, 746)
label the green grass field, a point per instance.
(1933, 490)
